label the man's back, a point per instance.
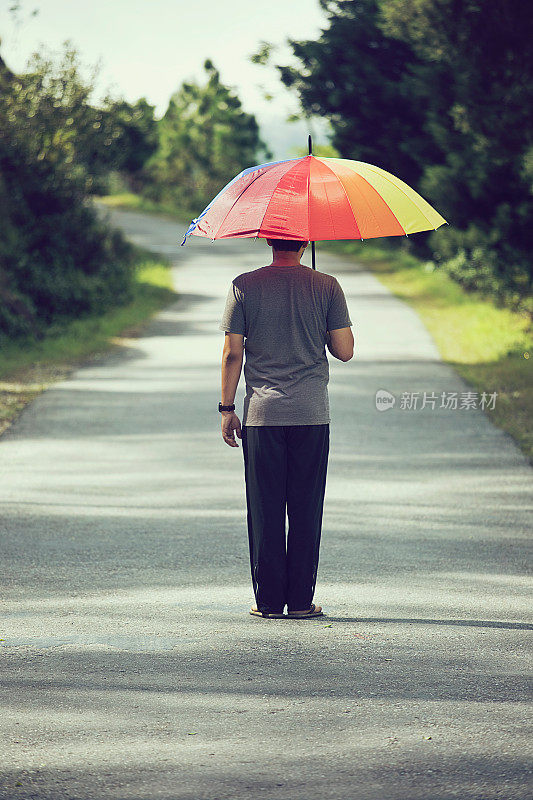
(284, 313)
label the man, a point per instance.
(287, 313)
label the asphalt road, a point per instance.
(130, 667)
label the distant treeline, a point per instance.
(440, 93)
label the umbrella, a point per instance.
(314, 198)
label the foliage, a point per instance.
(205, 139)
(438, 92)
(484, 128)
(57, 258)
(366, 84)
(50, 104)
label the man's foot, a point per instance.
(314, 611)
(268, 614)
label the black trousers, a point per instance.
(285, 473)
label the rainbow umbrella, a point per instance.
(315, 198)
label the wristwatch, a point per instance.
(226, 408)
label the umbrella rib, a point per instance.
(241, 194)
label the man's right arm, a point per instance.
(340, 343)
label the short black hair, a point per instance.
(287, 244)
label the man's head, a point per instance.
(287, 245)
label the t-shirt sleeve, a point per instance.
(338, 315)
(233, 320)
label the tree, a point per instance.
(483, 124)
(367, 84)
(57, 258)
(205, 139)
(55, 117)
(439, 92)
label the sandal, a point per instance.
(314, 611)
(268, 614)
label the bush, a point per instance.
(58, 260)
(483, 263)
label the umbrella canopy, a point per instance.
(312, 199)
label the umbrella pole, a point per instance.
(313, 261)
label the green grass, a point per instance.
(488, 345)
(28, 366)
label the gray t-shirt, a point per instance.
(284, 313)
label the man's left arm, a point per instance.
(232, 356)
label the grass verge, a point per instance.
(488, 345)
(28, 366)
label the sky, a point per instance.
(147, 48)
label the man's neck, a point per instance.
(282, 260)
